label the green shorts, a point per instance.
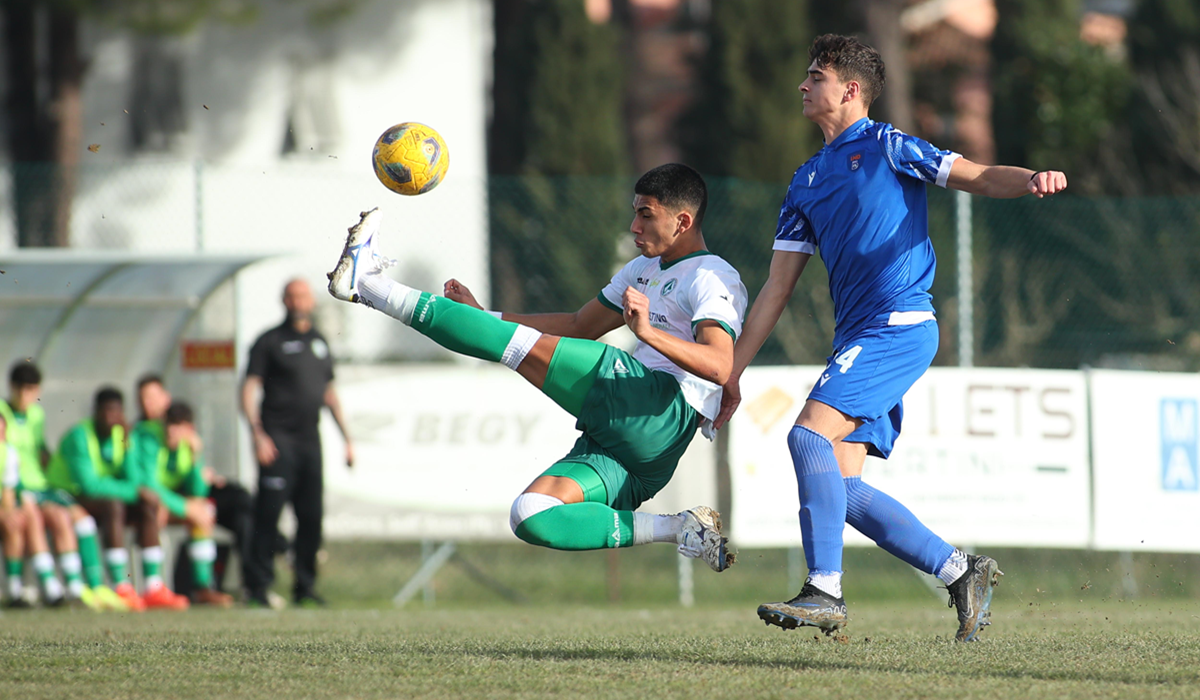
(636, 426)
(56, 497)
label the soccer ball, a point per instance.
(410, 158)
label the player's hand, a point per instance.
(200, 514)
(637, 312)
(349, 455)
(457, 291)
(195, 442)
(731, 397)
(264, 448)
(1047, 182)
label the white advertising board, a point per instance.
(441, 451)
(1145, 430)
(986, 457)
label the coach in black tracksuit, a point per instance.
(291, 366)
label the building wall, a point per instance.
(257, 137)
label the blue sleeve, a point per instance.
(793, 232)
(915, 157)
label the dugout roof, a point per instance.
(92, 317)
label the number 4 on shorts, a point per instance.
(846, 359)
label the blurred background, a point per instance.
(190, 156)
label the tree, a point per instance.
(746, 121)
(558, 196)
(45, 134)
(1164, 49)
(1059, 102)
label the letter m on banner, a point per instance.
(1178, 421)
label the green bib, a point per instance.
(24, 434)
(60, 473)
(174, 467)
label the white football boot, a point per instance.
(359, 257)
(701, 538)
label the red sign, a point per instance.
(207, 354)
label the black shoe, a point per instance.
(971, 593)
(59, 602)
(18, 604)
(812, 607)
(310, 600)
(257, 599)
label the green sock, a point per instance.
(461, 328)
(117, 560)
(578, 526)
(203, 554)
(14, 568)
(72, 569)
(89, 552)
(152, 558)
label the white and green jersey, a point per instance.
(11, 466)
(684, 292)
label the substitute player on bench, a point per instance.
(638, 411)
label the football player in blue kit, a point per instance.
(860, 201)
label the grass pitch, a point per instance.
(595, 627)
(894, 651)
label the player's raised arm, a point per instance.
(710, 357)
(1004, 181)
(591, 321)
(785, 271)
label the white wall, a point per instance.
(339, 86)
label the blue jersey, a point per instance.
(860, 201)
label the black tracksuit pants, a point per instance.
(294, 477)
(235, 512)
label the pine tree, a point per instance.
(1164, 48)
(557, 154)
(746, 121)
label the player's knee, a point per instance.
(527, 505)
(85, 526)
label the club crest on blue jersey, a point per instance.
(855, 161)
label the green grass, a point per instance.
(595, 627)
(894, 651)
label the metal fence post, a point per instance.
(966, 289)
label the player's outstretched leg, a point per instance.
(546, 521)
(896, 530)
(457, 327)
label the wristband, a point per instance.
(1034, 175)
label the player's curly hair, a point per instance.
(851, 60)
(676, 186)
(107, 394)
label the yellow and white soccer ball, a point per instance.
(410, 158)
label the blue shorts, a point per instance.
(867, 377)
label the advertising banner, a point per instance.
(986, 457)
(1145, 431)
(441, 451)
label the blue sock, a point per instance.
(822, 499)
(894, 527)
